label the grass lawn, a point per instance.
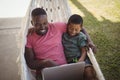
(102, 21)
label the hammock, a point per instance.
(57, 10)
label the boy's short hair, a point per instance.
(75, 19)
(38, 11)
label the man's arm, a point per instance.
(33, 63)
(90, 42)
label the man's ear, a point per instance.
(31, 22)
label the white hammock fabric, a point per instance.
(57, 11)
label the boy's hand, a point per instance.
(93, 47)
(80, 60)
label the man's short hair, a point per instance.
(38, 11)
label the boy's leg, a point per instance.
(89, 73)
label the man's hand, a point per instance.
(31, 30)
(49, 63)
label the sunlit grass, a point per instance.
(102, 21)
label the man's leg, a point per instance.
(46, 63)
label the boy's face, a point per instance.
(40, 23)
(74, 29)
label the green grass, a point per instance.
(102, 21)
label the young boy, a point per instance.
(75, 43)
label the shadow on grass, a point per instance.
(105, 35)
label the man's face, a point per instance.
(41, 24)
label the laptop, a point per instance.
(73, 71)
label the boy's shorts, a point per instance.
(74, 60)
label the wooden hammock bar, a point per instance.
(58, 11)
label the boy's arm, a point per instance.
(90, 42)
(83, 55)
